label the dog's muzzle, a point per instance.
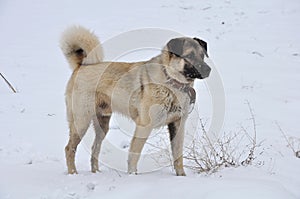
(199, 71)
(204, 70)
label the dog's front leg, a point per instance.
(137, 143)
(176, 130)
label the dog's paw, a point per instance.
(132, 174)
(132, 171)
(72, 171)
(180, 172)
(95, 171)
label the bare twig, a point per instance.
(206, 156)
(9, 84)
(289, 144)
(203, 155)
(250, 157)
(165, 156)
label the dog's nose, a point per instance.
(204, 70)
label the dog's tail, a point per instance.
(80, 47)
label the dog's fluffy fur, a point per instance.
(152, 93)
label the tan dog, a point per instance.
(152, 93)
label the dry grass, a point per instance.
(293, 143)
(229, 150)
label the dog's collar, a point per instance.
(185, 87)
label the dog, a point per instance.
(153, 93)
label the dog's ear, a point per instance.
(175, 46)
(202, 43)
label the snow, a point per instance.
(255, 46)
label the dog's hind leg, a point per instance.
(77, 131)
(101, 125)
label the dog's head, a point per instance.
(187, 57)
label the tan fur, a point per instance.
(138, 90)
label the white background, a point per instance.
(256, 50)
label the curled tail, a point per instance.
(80, 47)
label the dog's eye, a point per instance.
(190, 56)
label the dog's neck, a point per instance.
(171, 73)
(184, 87)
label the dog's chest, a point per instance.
(179, 107)
(162, 103)
(173, 103)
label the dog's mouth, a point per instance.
(201, 71)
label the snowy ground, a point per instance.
(254, 44)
